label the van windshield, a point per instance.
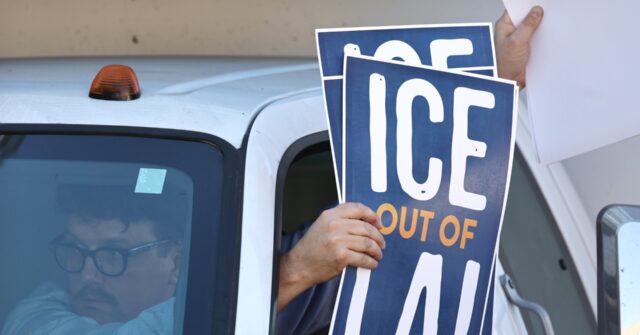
(95, 231)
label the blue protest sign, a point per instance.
(467, 47)
(430, 151)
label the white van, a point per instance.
(245, 144)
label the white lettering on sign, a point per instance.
(428, 276)
(467, 296)
(461, 146)
(407, 92)
(351, 49)
(442, 49)
(394, 49)
(356, 308)
(378, 132)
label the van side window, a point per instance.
(305, 187)
(309, 187)
(95, 232)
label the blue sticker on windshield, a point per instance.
(150, 181)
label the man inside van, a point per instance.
(121, 251)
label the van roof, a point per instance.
(213, 95)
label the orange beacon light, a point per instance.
(115, 82)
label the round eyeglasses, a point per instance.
(109, 261)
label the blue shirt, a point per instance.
(47, 312)
(313, 308)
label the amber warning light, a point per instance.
(115, 82)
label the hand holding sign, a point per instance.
(346, 235)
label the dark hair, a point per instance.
(168, 211)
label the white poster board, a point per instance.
(581, 78)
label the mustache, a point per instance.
(94, 293)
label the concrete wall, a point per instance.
(37, 28)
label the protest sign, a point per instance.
(466, 47)
(430, 151)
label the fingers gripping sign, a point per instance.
(346, 235)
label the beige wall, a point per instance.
(34, 28)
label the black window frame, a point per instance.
(217, 314)
(306, 143)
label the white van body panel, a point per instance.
(566, 206)
(269, 138)
(218, 96)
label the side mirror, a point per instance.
(619, 270)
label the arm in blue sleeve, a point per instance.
(47, 311)
(313, 308)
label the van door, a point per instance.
(278, 126)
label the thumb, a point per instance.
(529, 25)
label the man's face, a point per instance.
(150, 276)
